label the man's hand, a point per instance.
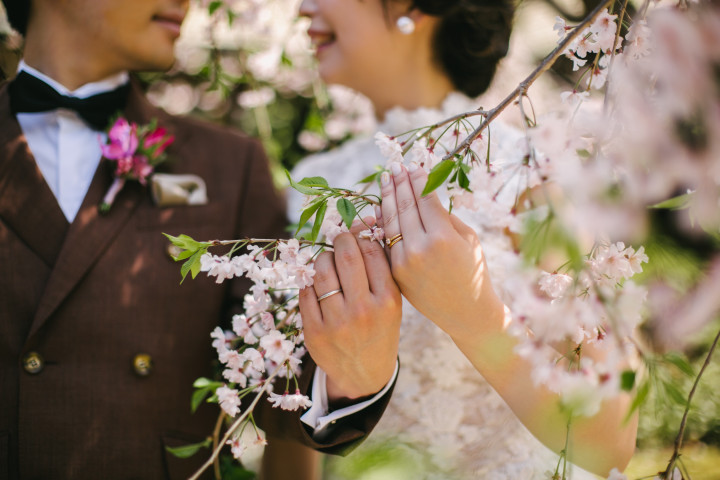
(353, 335)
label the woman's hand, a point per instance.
(440, 268)
(439, 264)
(353, 334)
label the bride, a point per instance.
(463, 400)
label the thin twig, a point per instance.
(234, 426)
(613, 53)
(548, 62)
(215, 437)
(252, 241)
(681, 432)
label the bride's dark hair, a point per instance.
(18, 12)
(471, 38)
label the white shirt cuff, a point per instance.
(318, 418)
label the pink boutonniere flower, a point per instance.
(136, 151)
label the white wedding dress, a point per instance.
(442, 408)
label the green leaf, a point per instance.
(676, 203)
(640, 397)
(672, 391)
(313, 182)
(213, 7)
(438, 175)
(347, 211)
(202, 382)
(680, 362)
(319, 217)
(187, 451)
(198, 396)
(192, 265)
(196, 264)
(230, 469)
(183, 255)
(627, 380)
(583, 153)
(463, 180)
(308, 212)
(370, 178)
(305, 190)
(185, 242)
(230, 17)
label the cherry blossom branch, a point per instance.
(683, 423)
(254, 241)
(235, 425)
(548, 62)
(431, 128)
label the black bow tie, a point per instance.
(29, 94)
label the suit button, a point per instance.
(142, 364)
(173, 250)
(33, 363)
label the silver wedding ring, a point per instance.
(329, 294)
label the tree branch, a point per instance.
(679, 439)
(525, 84)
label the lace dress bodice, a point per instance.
(441, 406)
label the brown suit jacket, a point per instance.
(91, 295)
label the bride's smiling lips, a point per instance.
(321, 40)
(170, 20)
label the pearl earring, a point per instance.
(406, 25)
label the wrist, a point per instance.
(341, 394)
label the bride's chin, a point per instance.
(328, 74)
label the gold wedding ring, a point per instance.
(329, 294)
(394, 239)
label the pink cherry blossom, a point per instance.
(604, 28)
(555, 285)
(253, 361)
(389, 148)
(242, 329)
(218, 266)
(237, 448)
(373, 233)
(277, 347)
(290, 402)
(229, 400)
(235, 375)
(561, 27)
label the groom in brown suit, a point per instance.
(99, 345)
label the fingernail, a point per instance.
(413, 166)
(396, 168)
(378, 213)
(385, 179)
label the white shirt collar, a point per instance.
(84, 91)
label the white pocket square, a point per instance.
(169, 190)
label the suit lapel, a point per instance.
(27, 205)
(92, 233)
